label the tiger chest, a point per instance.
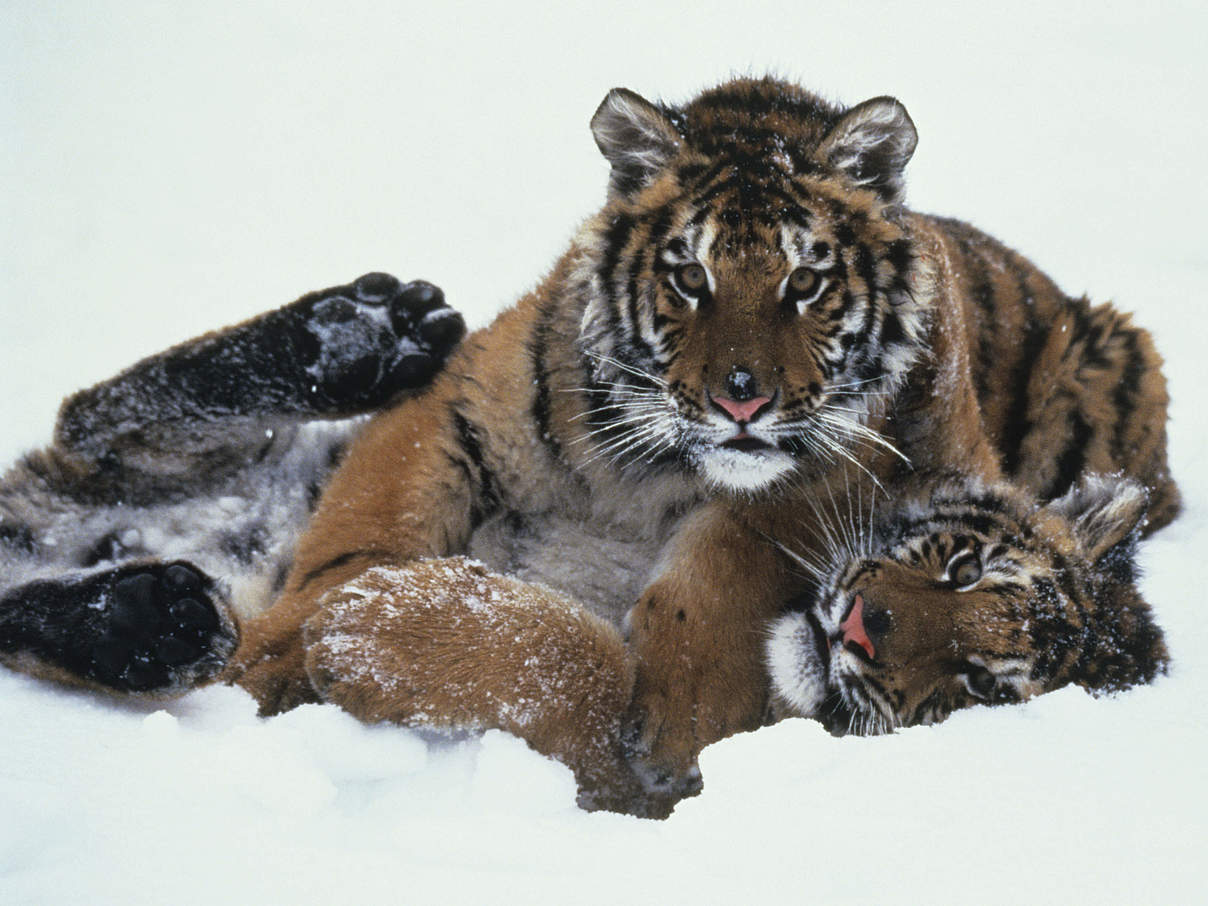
(600, 549)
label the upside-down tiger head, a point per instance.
(963, 595)
(751, 289)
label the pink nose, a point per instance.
(745, 411)
(853, 628)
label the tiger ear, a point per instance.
(871, 144)
(637, 138)
(1122, 645)
(1106, 515)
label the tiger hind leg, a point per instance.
(332, 353)
(447, 644)
(152, 628)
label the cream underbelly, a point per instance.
(604, 570)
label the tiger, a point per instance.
(960, 593)
(166, 509)
(752, 315)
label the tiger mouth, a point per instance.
(836, 715)
(745, 443)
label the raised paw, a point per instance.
(150, 628)
(362, 343)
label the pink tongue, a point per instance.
(853, 628)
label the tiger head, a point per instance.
(965, 595)
(751, 291)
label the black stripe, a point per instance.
(900, 254)
(1052, 636)
(759, 98)
(1072, 459)
(642, 258)
(982, 291)
(1016, 423)
(343, 560)
(538, 348)
(17, 536)
(1126, 396)
(488, 497)
(616, 237)
(931, 702)
(891, 330)
(982, 523)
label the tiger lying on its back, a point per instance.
(167, 509)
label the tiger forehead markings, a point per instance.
(750, 302)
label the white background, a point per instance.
(168, 168)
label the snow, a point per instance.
(166, 169)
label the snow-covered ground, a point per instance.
(166, 168)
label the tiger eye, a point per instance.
(691, 278)
(981, 681)
(803, 281)
(965, 570)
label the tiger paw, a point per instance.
(668, 723)
(362, 343)
(662, 754)
(153, 628)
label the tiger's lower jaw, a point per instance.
(743, 470)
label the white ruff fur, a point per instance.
(736, 470)
(797, 673)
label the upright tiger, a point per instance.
(752, 311)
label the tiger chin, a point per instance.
(966, 594)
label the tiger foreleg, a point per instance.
(332, 353)
(696, 636)
(446, 644)
(158, 629)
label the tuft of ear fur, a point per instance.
(871, 144)
(1123, 646)
(1106, 515)
(637, 138)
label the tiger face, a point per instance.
(752, 291)
(966, 595)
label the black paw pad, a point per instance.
(376, 287)
(442, 328)
(368, 340)
(155, 626)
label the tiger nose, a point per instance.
(862, 623)
(743, 402)
(741, 384)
